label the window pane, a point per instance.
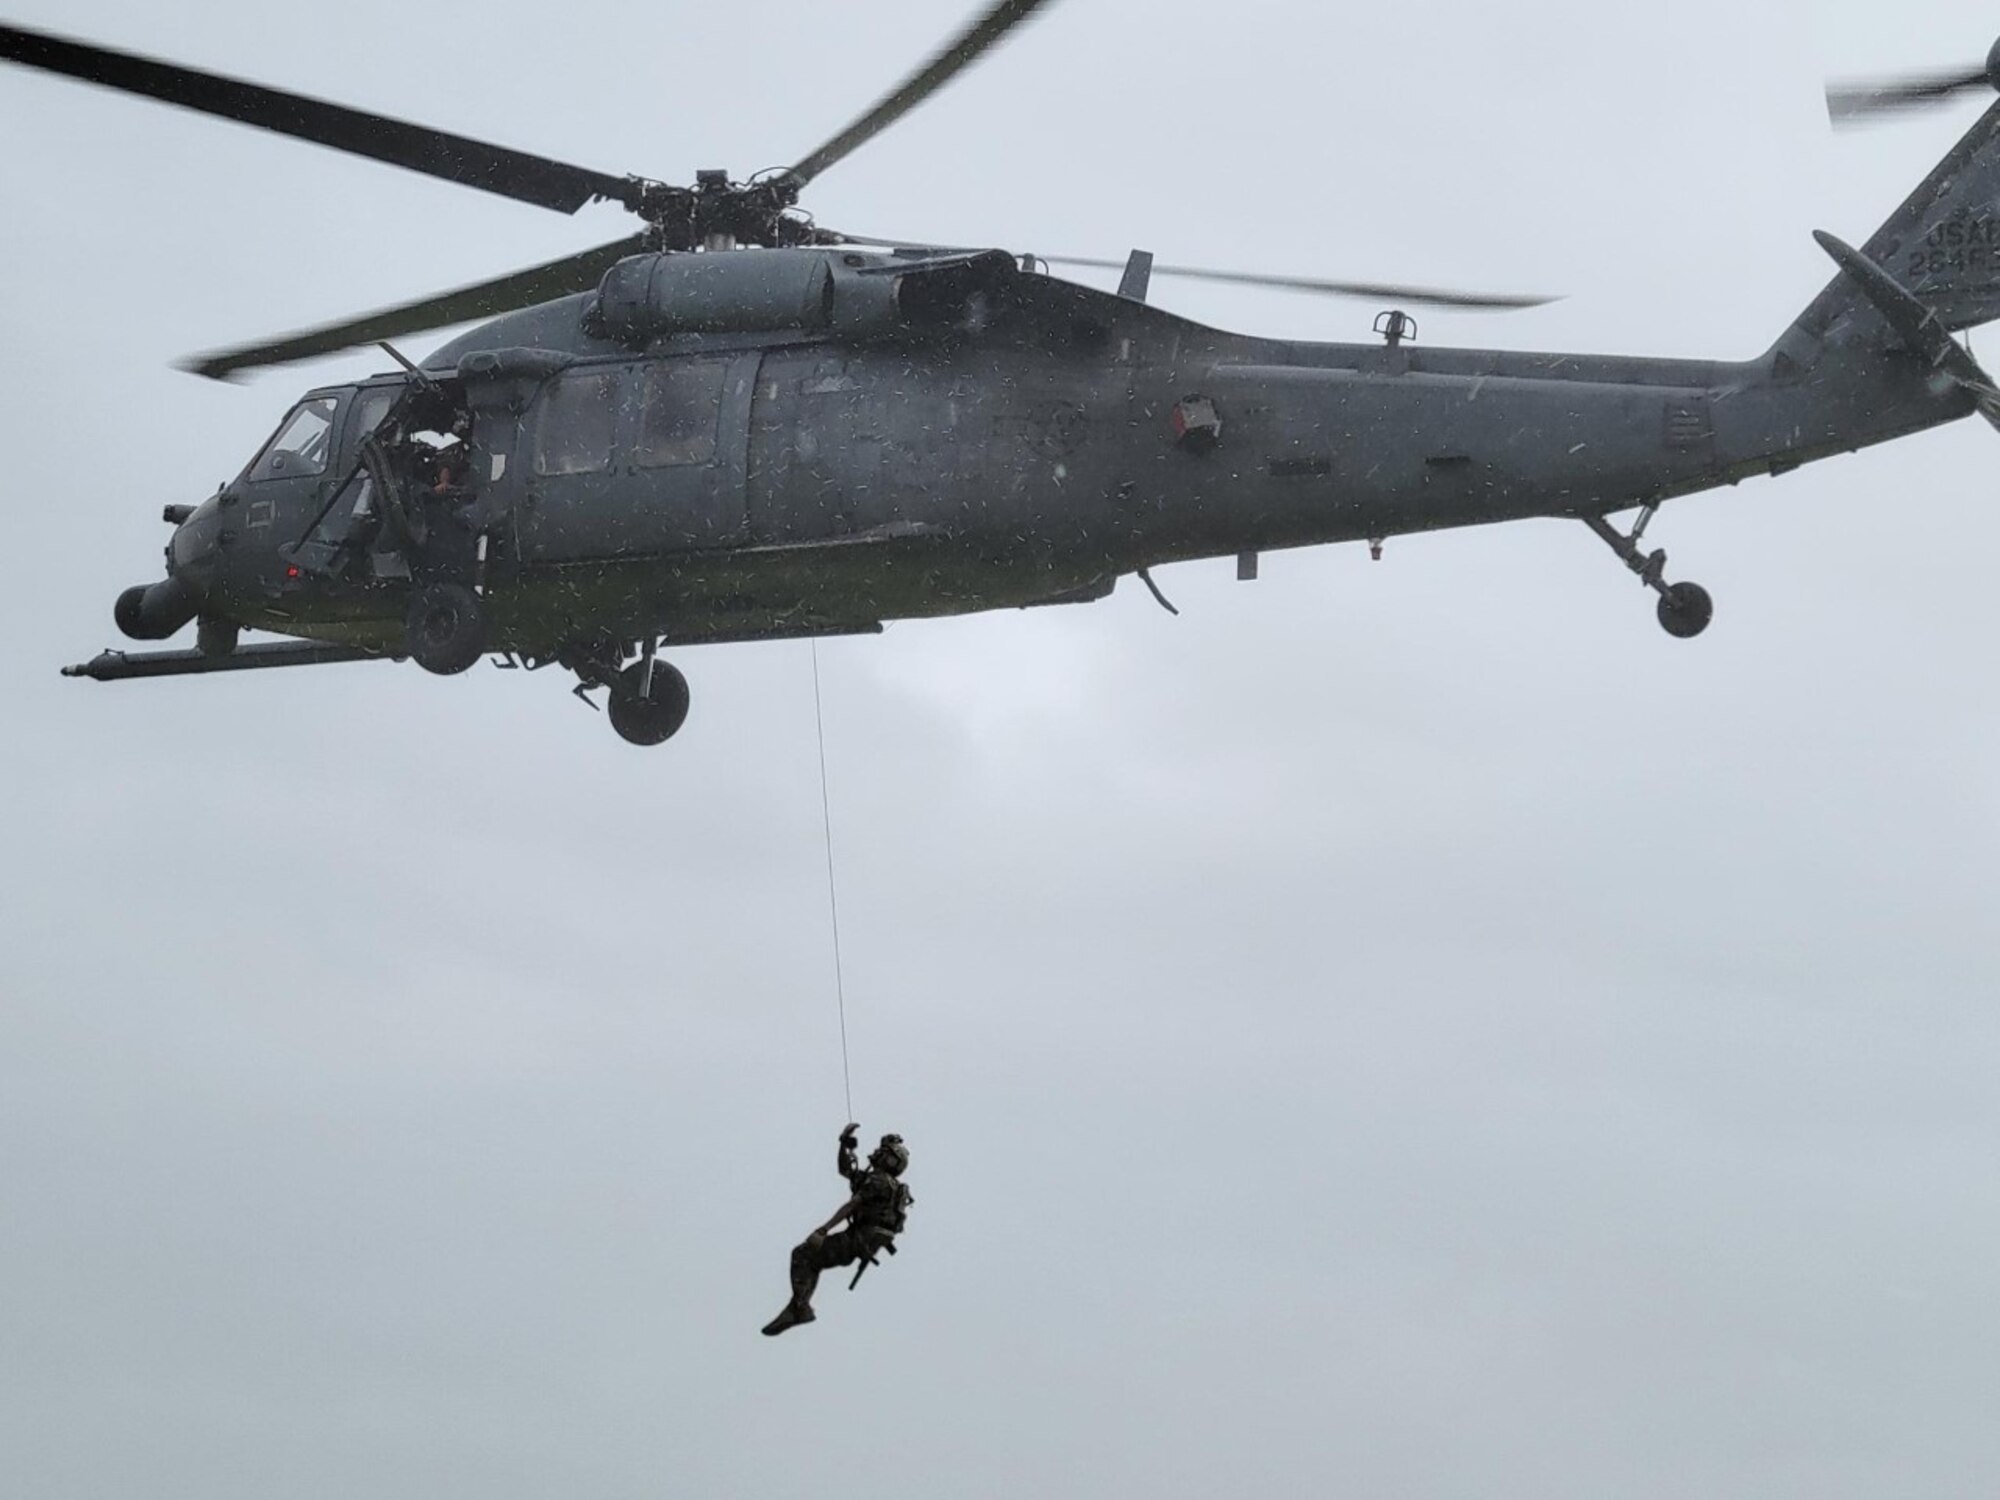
(573, 434)
(677, 413)
(368, 414)
(301, 444)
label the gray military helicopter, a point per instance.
(736, 425)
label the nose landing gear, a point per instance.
(1685, 608)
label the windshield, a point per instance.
(301, 443)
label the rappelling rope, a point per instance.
(832, 891)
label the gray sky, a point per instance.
(1406, 1029)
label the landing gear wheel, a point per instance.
(1685, 610)
(446, 628)
(651, 720)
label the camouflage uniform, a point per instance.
(880, 1203)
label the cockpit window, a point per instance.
(373, 407)
(301, 444)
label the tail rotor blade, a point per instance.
(1863, 102)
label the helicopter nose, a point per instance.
(194, 554)
(154, 611)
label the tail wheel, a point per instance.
(649, 718)
(1685, 610)
(446, 629)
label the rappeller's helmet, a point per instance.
(892, 1156)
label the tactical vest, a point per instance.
(881, 1203)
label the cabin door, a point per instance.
(639, 459)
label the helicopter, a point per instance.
(737, 425)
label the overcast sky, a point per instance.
(1405, 1029)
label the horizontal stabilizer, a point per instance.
(1919, 326)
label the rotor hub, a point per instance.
(717, 211)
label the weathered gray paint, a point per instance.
(908, 436)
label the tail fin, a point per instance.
(1942, 246)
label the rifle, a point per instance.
(867, 1260)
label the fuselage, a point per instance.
(1028, 447)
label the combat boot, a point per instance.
(795, 1312)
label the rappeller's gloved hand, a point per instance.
(850, 1137)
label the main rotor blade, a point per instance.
(556, 278)
(1385, 291)
(949, 61)
(1853, 103)
(456, 158)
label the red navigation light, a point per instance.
(292, 570)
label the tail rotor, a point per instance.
(1869, 101)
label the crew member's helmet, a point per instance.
(892, 1156)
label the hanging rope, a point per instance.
(832, 891)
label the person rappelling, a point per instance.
(874, 1213)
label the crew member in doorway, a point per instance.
(451, 469)
(873, 1213)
